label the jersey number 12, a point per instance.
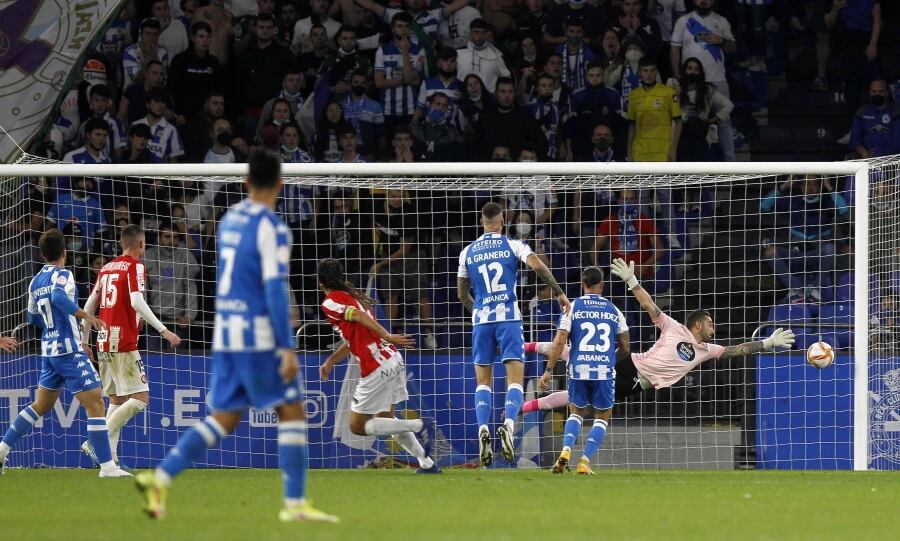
(492, 283)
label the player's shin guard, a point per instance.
(513, 403)
(595, 438)
(98, 435)
(118, 417)
(293, 456)
(21, 426)
(190, 446)
(572, 430)
(484, 403)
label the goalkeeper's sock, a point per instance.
(21, 426)
(118, 417)
(189, 447)
(512, 404)
(98, 435)
(293, 458)
(484, 403)
(543, 348)
(572, 430)
(408, 441)
(549, 402)
(595, 438)
(383, 426)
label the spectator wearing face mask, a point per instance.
(445, 82)
(291, 140)
(221, 151)
(590, 206)
(549, 118)
(594, 104)
(701, 107)
(344, 61)
(480, 57)
(437, 138)
(876, 125)
(365, 115)
(575, 53)
(633, 26)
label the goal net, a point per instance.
(812, 247)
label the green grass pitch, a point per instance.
(461, 504)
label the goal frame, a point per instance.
(511, 171)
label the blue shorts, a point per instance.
(74, 370)
(249, 379)
(507, 337)
(599, 394)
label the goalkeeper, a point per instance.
(679, 349)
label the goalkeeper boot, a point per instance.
(426, 435)
(88, 451)
(584, 467)
(154, 494)
(507, 446)
(305, 512)
(485, 448)
(562, 463)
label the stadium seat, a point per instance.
(838, 313)
(794, 313)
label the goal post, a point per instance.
(678, 418)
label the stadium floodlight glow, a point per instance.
(434, 182)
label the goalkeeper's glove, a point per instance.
(780, 338)
(625, 272)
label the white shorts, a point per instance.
(381, 389)
(122, 373)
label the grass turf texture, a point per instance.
(462, 504)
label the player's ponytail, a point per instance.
(331, 276)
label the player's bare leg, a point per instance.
(484, 377)
(293, 456)
(23, 424)
(515, 377)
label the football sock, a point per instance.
(383, 426)
(293, 458)
(484, 403)
(21, 426)
(408, 441)
(595, 438)
(98, 435)
(512, 404)
(543, 348)
(572, 430)
(116, 419)
(189, 447)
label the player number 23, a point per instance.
(492, 283)
(602, 331)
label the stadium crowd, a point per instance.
(417, 81)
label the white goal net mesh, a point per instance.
(755, 251)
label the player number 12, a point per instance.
(492, 283)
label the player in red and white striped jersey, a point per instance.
(382, 383)
(119, 292)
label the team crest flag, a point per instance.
(41, 42)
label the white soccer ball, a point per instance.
(820, 355)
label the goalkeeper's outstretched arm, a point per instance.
(626, 273)
(779, 338)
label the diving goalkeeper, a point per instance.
(679, 349)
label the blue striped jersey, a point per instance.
(81, 155)
(296, 203)
(400, 100)
(254, 246)
(593, 326)
(61, 334)
(165, 143)
(433, 85)
(133, 60)
(429, 20)
(492, 265)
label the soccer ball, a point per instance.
(820, 355)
